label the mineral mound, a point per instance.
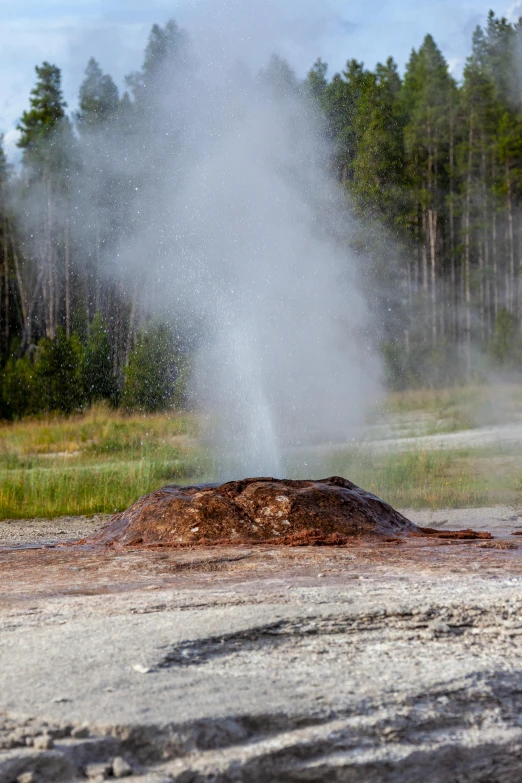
(253, 510)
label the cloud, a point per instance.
(514, 11)
(455, 65)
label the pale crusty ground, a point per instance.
(396, 664)
(40, 531)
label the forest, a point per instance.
(432, 167)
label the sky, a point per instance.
(68, 32)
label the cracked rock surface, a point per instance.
(389, 662)
(253, 510)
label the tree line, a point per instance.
(440, 163)
(437, 163)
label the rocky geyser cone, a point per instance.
(255, 510)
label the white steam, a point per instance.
(220, 208)
(247, 235)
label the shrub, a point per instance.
(20, 387)
(150, 376)
(98, 375)
(58, 367)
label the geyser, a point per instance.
(249, 252)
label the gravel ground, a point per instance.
(389, 663)
(40, 531)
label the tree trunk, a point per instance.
(467, 248)
(484, 247)
(453, 299)
(511, 241)
(494, 250)
(98, 280)
(6, 286)
(67, 280)
(132, 318)
(425, 284)
(51, 318)
(432, 234)
(27, 304)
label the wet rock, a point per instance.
(255, 510)
(120, 768)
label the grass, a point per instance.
(433, 411)
(100, 462)
(437, 478)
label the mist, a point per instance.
(233, 232)
(209, 203)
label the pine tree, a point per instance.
(99, 380)
(49, 158)
(427, 97)
(316, 81)
(98, 98)
(378, 165)
(5, 293)
(58, 369)
(340, 100)
(279, 77)
(149, 382)
(39, 137)
(166, 53)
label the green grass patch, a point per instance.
(99, 462)
(104, 488)
(433, 411)
(104, 460)
(435, 479)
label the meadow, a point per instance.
(98, 462)
(103, 460)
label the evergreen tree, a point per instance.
(20, 392)
(38, 127)
(316, 81)
(166, 52)
(5, 272)
(428, 96)
(98, 374)
(150, 376)
(279, 77)
(378, 164)
(48, 143)
(98, 98)
(343, 101)
(58, 369)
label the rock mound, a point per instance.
(252, 510)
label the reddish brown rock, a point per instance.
(254, 510)
(464, 535)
